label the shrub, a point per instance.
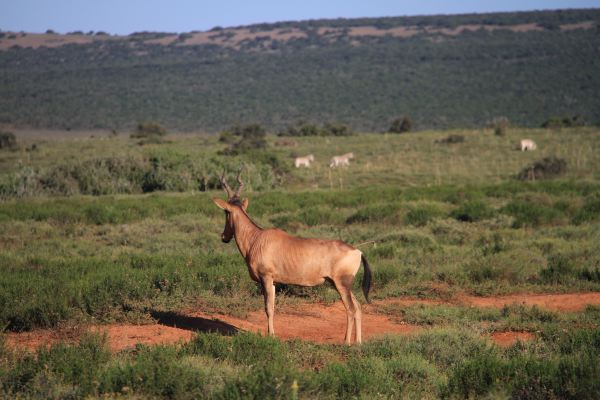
(420, 216)
(531, 213)
(226, 137)
(499, 125)
(252, 137)
(589, 212)
(555, 122)
(401, 125)
(148, 130)
(332, 129)
(559, 270)
(70, 369)
(308, 129)
(8, 141)
(477, 375)
(161, 171)
(546, 168)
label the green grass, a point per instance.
(119, 257)
(446, 363)
(433, 221)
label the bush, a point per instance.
(301, 129)
(401, 125)
(531, 213)
(555, 122)
(308, 129)
(161, 171)
(77, 366)
(546, 168)
(477, 375)
(8, 141)
(420, 216)
(149, 130)
(559, 270)
(589, 212)
(252, 137)
(330, 129)
(499, 125)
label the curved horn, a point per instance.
(239, 179)
(226, 186)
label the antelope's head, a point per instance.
(233, 203)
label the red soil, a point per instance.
(556, 302)
(506, 339)
(314, 322)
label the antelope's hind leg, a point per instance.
(343, 286)
(357, 319)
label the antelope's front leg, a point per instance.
(269, 294)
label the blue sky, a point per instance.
(127, 16)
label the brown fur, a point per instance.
(274, 256)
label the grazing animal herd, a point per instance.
(273, 256)
(344, 159)
(336, 161)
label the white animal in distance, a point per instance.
(528, 145)
(343, 160)
(304, 161)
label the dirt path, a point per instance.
(314, 322)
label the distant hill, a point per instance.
(442, 71)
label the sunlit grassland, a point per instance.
(410, 159)
(433, 220)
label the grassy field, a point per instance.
(103, 230)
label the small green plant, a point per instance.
(420, 216)
(589, 212)
(546, 168)
(149, 132)
(252, 137)
(8, 141)
(528, 213)
(473, 210)
(401, 125)
(500, 126)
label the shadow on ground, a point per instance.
(196, 324)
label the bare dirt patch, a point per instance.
(319, 323)
(36, 40)
(554, 302)
(506, 339)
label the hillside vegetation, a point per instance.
(442, 71)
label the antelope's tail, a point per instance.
(366, 281)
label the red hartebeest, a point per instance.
(273, 256)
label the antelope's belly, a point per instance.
(294, 275)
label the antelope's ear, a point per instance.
(222, 204)
(245, 204)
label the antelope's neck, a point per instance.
(246, 232)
